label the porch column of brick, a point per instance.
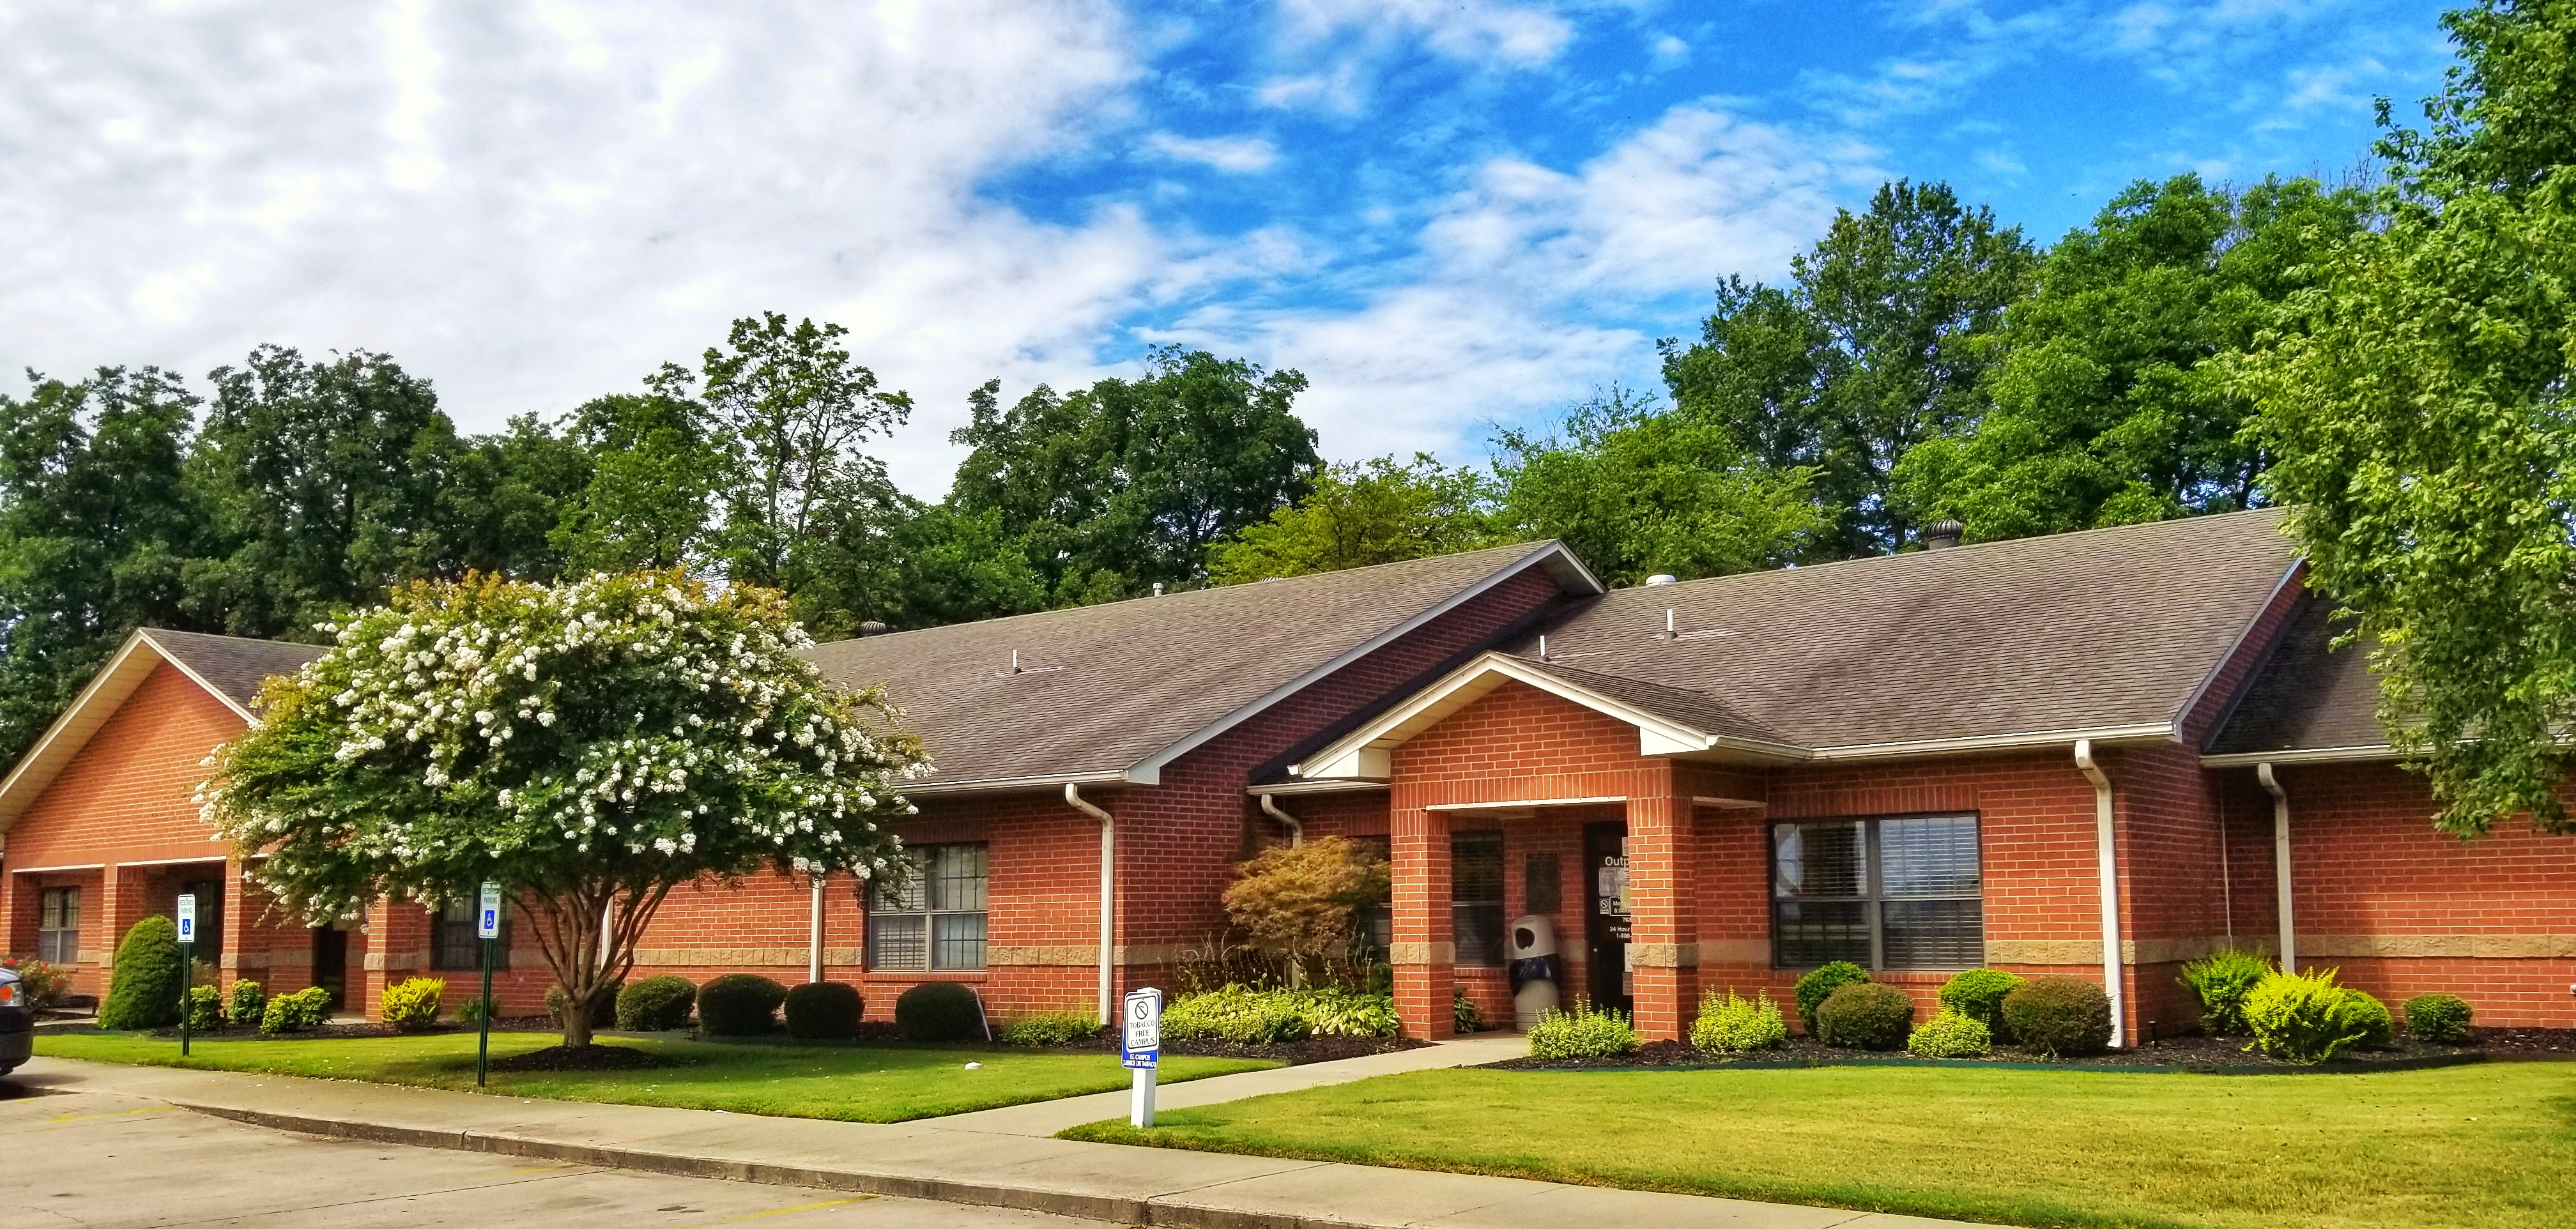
(127, 893)
(1424, 950)
(230, 943)
(397, 950)
(17, 914)
(1663, 910)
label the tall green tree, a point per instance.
(1636, 492)
(1115, 487)
(96, 529)
(794, 408)
(1877, 344)
(906, 564)
(321, 484)
(2104, 408)
(2420, 405)
(506, 496)
(657, 464)
(1359, 513)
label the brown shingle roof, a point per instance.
(2308, 696)
(1106, 689)
(232, 665)
(2097, 630)
(1697, 710)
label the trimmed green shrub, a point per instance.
(656, 1004)
(603, 1007)
(247, 1002)
(2442, 1019)
(413, 1003)
(1246, 1016)
(1819, 985)
(2221, 980)
(205, 1009)
(2378, 1028)
(2306, 1018)
(1735, 1024)
(2062, 1017)
(1050, 1028)
(823, 1011)
(294, 1013)
(1463, 1016)
(739, 1005)
(143, 990)
(1865, 1015)
(1979, 994)
(1584, 1032)
(1950, 1033)
(939, 1011)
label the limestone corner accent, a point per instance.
(1663, 955)
(1422, 953)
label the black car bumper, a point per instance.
(17, 1037)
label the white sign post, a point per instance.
(1142, 1032)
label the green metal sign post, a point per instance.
(187, 963)
(487, 927)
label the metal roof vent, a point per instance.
(1663, 578)
(872, 628)
(1942, 535)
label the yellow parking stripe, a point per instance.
(118, 1114)
(828, 1203)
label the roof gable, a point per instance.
(1116, 692)
(229, 668)
(2308, 701)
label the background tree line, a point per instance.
(2391, 356)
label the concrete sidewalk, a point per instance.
(932, 1159)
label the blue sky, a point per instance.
(1447, 213)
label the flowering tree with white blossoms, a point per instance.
(589, 746)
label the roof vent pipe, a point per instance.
(1943, 534)
(2113, 984)
(1108, 884)
(1663, 578)
(1158, 588)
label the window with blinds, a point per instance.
(1899, 893)
(1476, 896)
(58, 925)
(934, 918)
(457, 942)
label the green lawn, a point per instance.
(2490, 1145)
(889, 1083)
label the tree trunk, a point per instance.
(576, 1024)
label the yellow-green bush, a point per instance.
(1583, 1032)
(1734, 1024)
(413, 1003)
(2307, 1018)
(1950, 1033)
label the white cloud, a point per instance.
(533, 204)
(1486, 31)
(1234, 155)
(1535, 286)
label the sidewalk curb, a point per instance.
(1149, 1211)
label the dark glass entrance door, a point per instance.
(1605, 891)
(331, 963)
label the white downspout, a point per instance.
(814, 940)
(2281, 862)
(1108, 887)
(1296, 831)
(2113, 984)
(607, 919)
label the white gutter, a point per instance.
(814, 941)
(2112, 981)
(2281, 862)
(1296, 831)
(2374, 753)
(1108, 886)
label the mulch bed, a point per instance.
(2196, 1053)
(352, 1030)
(586, 1058)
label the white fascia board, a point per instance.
(64, 738)
(1533, 802)
(2380, 753)
(1559, 561)
(1009, 785)
(1367, 752)
(181, 665)
(1290, 789)
(2160, 731)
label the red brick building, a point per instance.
(2099, 754)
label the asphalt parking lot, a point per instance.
(96, 1159)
